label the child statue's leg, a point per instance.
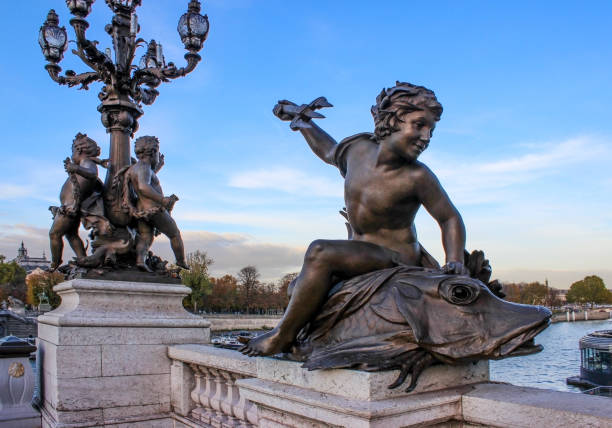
(323, 260)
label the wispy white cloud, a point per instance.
(555, 155)
(240, 218)
(232, 252)
(36, 240)
(285, 226)
(288, 180)
(27, 179)
(14, 191)
(481, 181)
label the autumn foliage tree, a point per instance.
(532, 293)
(248, 280)
(224, 296)
(284, 286)
(39, 282)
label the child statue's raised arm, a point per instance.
(321, 143)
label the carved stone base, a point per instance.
(104, 352)
(287, 395)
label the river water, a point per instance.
(559, 360)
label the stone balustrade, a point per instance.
(204, 389)
(214, 387)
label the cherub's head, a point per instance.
(84, 147)
(394, 103)
(147, 147)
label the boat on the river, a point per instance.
(233, 340)
(595, 362)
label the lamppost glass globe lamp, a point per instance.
(53, 39)
(193, 27)
(80, 8)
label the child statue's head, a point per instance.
(83, 145)
(403, 98)
(146, 146)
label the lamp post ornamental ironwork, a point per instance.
(126, 211)
(126, 86)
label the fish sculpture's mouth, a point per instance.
(523, 342)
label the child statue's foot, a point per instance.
(143, 267)
(183, 265)
(269, 343)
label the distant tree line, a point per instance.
(243, 293)
(532, 293)
(588, 291)
(246, 293)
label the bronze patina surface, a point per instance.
(379, 300)
(128, 209)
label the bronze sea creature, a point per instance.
(409, 318)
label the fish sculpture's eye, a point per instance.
(459, 292)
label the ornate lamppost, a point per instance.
(126, 85)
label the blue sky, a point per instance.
(523, 147)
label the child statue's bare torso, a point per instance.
(381, 203)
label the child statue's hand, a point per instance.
(69, 166)
(457, 268)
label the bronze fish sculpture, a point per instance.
(409, 318)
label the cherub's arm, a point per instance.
(86, 168)
(104, 163)
(438, 204)
(161, 163)
(321, 143)
(144, 175)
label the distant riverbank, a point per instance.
(589, 315)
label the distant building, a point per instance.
(31, 263)
(562, 296)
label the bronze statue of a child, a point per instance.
(82, 181)
(384, 187)
(149, 206)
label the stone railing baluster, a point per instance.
(197, 390)
(195, 393)
(216, 399)
(245, 411)
(231, 398)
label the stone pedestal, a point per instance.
(104, 352)
(288, 396)
(16, 385)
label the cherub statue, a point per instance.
(82, 182)
(144, 198)
(385, 185)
